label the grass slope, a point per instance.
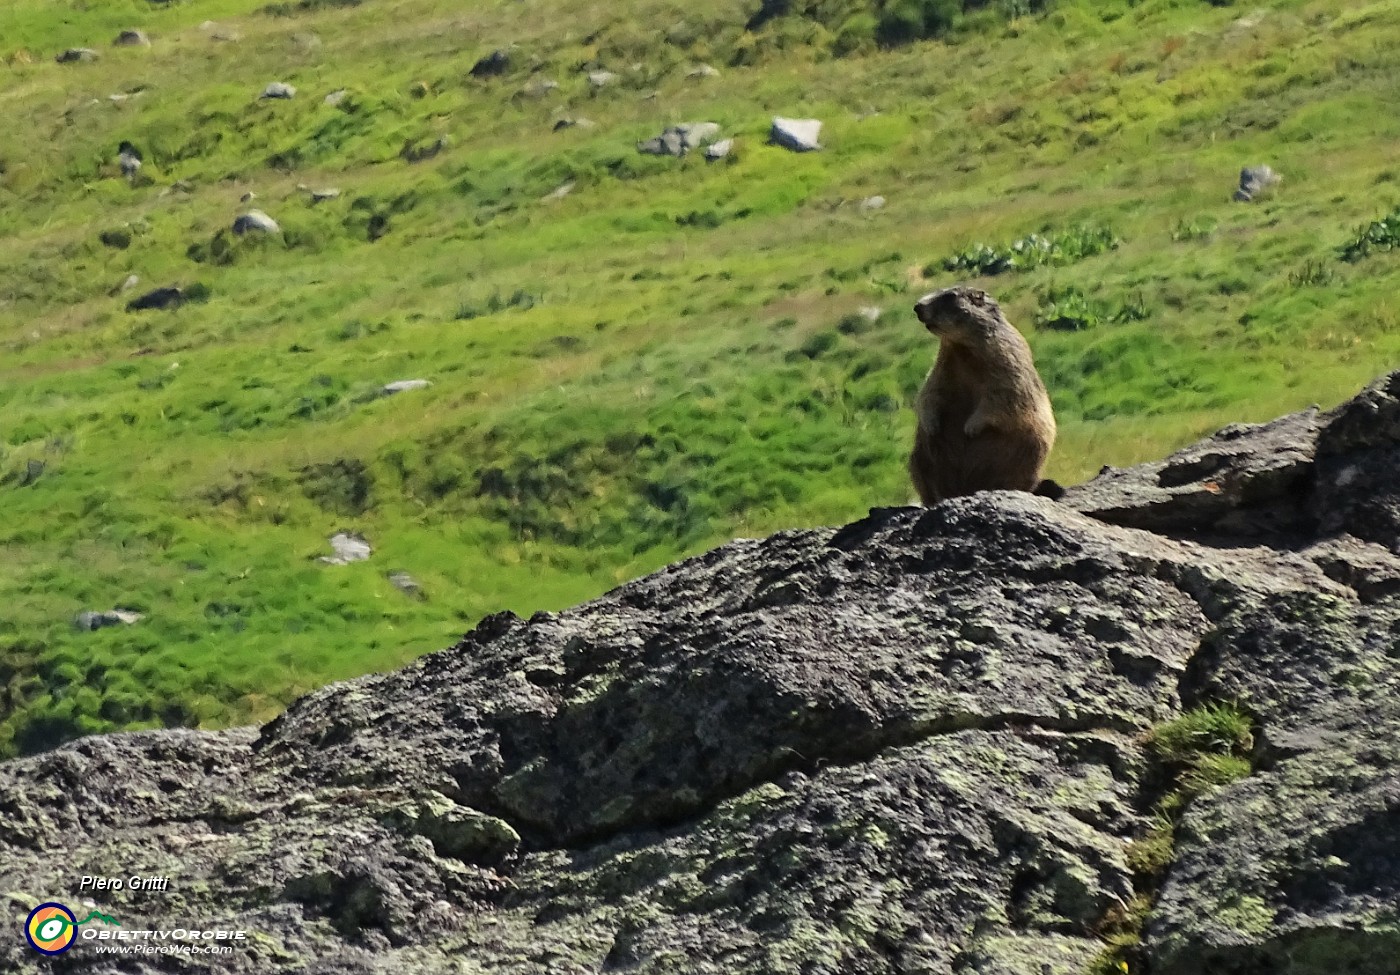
(667, 356)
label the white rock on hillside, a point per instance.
(255, 221)
(718, 150)
(797, 134)
(348, 548)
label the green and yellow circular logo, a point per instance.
(51, 929)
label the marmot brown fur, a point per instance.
(984, 418)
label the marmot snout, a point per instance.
(984, 418)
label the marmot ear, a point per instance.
(979, 298)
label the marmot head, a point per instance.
(960, 314)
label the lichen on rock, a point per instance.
(921, 742)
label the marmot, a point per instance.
(984, 418)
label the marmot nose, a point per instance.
(924, 307)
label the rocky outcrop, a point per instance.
(917, 743)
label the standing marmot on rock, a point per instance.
(984, 418)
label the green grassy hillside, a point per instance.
(668, 354)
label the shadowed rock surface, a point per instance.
(910, 745)
(157, 299)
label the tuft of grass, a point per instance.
(1312, 274)
(1220, 729)
(1194, 228)
(1149, 855)
(1203, 749)
(518, 300)
(1121, 932)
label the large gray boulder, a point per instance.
(916, 743)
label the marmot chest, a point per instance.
(958, 385)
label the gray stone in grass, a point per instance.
(718, 150)
(573, 122)
(1255, 181)
(348, 547)
(406, 584)
(78, 55)
(89, 620)
(279, 89)
(255, 221)
(403, 386)
(680, 139)
(492, 65)
(538, 88)
(157, 299)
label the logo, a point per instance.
(51, 928)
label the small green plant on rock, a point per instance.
(1202, 734)
(1205, 748)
